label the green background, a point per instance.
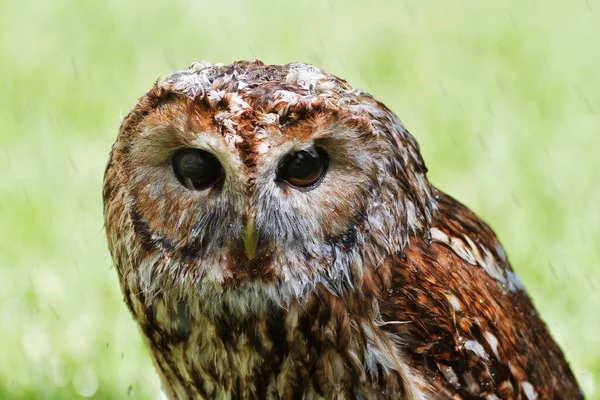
(503, 97)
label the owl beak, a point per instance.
(250, 236)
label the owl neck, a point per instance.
(325, 346)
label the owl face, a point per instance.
(259, 176)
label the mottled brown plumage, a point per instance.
(356, 280)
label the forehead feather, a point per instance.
(243, 100)
(261, 87)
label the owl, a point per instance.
(276, 237)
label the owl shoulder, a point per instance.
(463, 318)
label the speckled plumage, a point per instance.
(374, 285)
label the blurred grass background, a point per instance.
(503, 96)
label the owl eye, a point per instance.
(196, 169)
(304, 169)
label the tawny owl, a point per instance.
(276, 237)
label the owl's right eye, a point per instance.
(196, 169)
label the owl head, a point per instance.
(252, 177)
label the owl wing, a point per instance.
(464, 320)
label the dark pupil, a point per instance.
(303, 165)
(196, 169)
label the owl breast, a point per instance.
(314, 349)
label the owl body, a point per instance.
(276, 237)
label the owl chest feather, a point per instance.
(314, 350)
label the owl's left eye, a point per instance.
(196, 169)
(304, 169)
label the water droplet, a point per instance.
(85, 382)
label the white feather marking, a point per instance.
(304, 75)
(461, 250)
(439, 236)
(493, 342)
(514, 284)
(491, 267)
(268, 119)
(191, 84)
(214, 96)
(285, 96)
(449, 374)
(529, 390)
(476, 348)
(198, 65)
(262, 148)
(454, 302)
(237, 104)
(500, 252)
(478, 255)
